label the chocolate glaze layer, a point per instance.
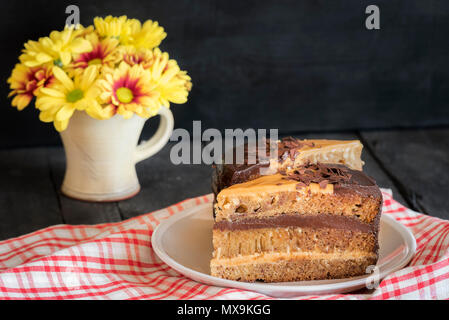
(227, 175)
(302, 221)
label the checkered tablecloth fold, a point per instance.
(116, 261)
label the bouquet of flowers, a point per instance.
(114, 66)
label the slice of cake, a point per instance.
(319, 221)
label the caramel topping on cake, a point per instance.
(273, 183)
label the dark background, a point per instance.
(309, 68)
(294, 65)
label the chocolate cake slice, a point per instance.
(318, 221)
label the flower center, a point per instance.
(94, 61)
(124, 95)
(58, 63)
(75, 95)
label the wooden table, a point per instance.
(413, 163)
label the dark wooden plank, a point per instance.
(28, 200)
(164, 184)
(418, 160)
(371, 167)
(74, 211)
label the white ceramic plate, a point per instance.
(184, 242)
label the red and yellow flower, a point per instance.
(103, 53)
(172, 84)
(25, 83)
(128, 90)
(141, 56)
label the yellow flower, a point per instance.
(82, 32)
(26, 82)
(103, 53)
(113, 27)
(149, 36)
(58, 103)
(129, 90)
(187, 81)
(36, 54)
(57, 48)
(172, 84)
(130, 31)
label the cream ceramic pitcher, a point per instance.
(101, 155)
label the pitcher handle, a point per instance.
(148, 148)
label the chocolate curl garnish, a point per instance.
(300, 185)
(289, 147)
(323, 184)
(322, 174)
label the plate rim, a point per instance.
(360, 281)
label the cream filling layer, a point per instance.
(273, 257)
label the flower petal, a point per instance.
(61, 125)
(81, 45)
(65, 112)
(88, 78)
(63, 78)
(52, 93)
(48, 115)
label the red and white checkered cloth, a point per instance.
(116, 261)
